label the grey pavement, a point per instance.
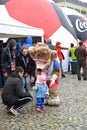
(70, 115)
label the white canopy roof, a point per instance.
(10, 27)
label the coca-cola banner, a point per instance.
(78, 21)
(80, 26)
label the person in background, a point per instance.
(49, 43)
(41, 92)
(18, 47)
(1, 75)
(81, 54)
(60, 55)
(12, 95)
(24, 60)
(8, 58)
(72, 52)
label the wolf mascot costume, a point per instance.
(46, 60)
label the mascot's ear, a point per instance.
(53, 54)
(31, 51)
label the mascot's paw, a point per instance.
(54, 101)
(52, 82)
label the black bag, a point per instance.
(63, 56)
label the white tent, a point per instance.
(10, 27)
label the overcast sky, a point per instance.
(83, 0)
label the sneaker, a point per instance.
(38, 109)
(79, 78)
(14, 111)
(84, 78)
(63, 75)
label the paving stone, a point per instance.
(70, 115)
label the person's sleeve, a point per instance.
(18, 61)
(31, 68)
(47, 90)
(19, 90)
(3, 60)
(64, 48)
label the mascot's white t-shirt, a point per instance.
(55, 65)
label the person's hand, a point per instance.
(5, 74)
(26, 75)
(34, 88)
(32, 79)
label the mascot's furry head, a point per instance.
(42, 55)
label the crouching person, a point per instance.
(13, 96)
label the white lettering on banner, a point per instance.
(81, 26)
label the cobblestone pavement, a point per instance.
(70, 115)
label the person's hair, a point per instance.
(80, 43)
(72, 45)
(19, 69)
(1, 41)
(23, 47)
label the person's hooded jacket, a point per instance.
(8, 56)
(12, 90)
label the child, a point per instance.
(42, 92)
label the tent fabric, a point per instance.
(9, 27)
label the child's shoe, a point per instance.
(43, 108)
(38, 109)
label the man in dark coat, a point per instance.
(81, 54)
(1, 75)
(13, 96)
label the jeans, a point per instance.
(26, 83)
(81, 64)
(40, 103)
(62, 73)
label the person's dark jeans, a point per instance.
(21, 102)
(81, 64)
(1, 79)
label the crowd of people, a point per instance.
(17, 71)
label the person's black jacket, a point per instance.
(1, 49)
(27, 63)
(12, 90)
(8, 55)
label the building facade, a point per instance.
(77, 5)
